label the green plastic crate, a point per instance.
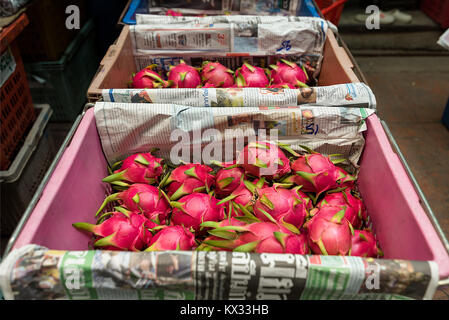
(63, 84)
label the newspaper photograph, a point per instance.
(126, 128)
(210, 7)
(35, 272)
(355, 95)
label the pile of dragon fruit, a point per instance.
(284, 74)
(306, 205)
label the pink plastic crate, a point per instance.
(73, 192)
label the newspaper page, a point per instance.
(35, 272)
(198, 7)
(126, 128)
(355, 95)
(283, 37)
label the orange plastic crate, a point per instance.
(331, 9)
(16, 108)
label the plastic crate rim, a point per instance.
(15, 169)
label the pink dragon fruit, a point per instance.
(215, 75)
(345, 179)
(283, 205)
(305, 199)
(173, 13)
(219, 235)
(315, 173)
(364, 244)
(194, 209)
(184, 76)
(189, 178)
(288, 72)
(148, 78)
(259, 237)
(172, 238)
(285, 243)
(283, 85)
(227, 180)
(120, 231)
(137, 168)
(329, 232)
(264, 159)
(353, 206)
(223, 223)
(149, 224)
(144, 198)
(250, 76)
(241, 199)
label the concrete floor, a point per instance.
(419, 37)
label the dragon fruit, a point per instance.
(283, 85)
(264, 159)
(189, 178)
(193, 209)
(227, 180)
(144, 198)
(283, 205)
(329, 232)
(120, 231)
(148, 78)
(172, 238)
(345, 179)
(173, 13)
(219, 235)
(137, 168)
(215, 75)
(240, 200)
(259, 237)
(364, 244)
(288, 72)
(353, 206)
(250, 76)
(304, 198)
(314, 172)
(184, 76)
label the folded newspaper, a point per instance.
(444, 40)
(35, 272)
(257, 40)
(10, 7)
(201, 7)
(239, 19)
(193, 134)
(355, 95)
